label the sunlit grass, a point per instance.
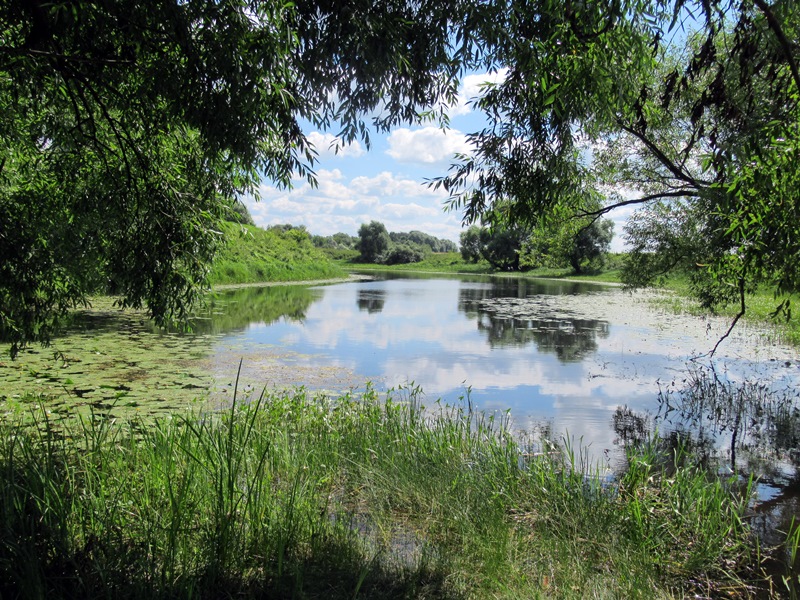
(251, 254)
(311, 497)
(442, 262)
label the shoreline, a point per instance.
(238, 286)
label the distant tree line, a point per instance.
(580, 245)
(423, 240)
(238, 213)
(337, 241)
(376, 244)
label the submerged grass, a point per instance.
(761, 307)
(357, 497)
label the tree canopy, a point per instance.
(687, 110)
(373, 241)
(130, 128)
(580, 243)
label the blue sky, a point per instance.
(385, 183)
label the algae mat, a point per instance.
(109, 361)
(116, 363)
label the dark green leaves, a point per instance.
(129, 128)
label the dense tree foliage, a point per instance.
(130, 127)
(374, 241)
(688, 110)
(501, 246)
(418, 238)
(470, 244)
(579, 243)
(404, 253)
(377, 245)
(338, 241)
(590, 245)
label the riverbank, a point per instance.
(760, 306)
(251, 254)
(345, 279)
(300, 496)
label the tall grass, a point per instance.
(357, 497)
(251, 255)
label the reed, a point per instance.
(294, 495)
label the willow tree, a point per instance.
(130, 127)
(688, 111)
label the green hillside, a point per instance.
(252, 254)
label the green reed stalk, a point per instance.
(290, 495)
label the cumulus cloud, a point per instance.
(388, 184)
(341, 204)
(428, 145)
(407, 211)
(328, 145)
(472, 87)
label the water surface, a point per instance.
(570, 359)
(557, 354)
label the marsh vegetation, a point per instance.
(296, 495)
(601, 466)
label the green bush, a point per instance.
(402, 254)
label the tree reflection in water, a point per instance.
(371, 300)
(536, 319)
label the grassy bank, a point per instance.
(443, 262)
(294, 496)
(251, 254)
(451, 262)
(760, 306)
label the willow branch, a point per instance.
(739, 315)
(786, 45)
(644, 199)
(679, 173)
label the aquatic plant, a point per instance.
(294, 495)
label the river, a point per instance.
(592, 363)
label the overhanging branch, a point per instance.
(644, 199)
(739, 315)
(786, 45)
(676, 171)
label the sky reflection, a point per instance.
(567, 354)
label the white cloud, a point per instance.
(428, 145)
(473, 87)
(387, 184)
(338, 204)
(406, 211)
(328, 145)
